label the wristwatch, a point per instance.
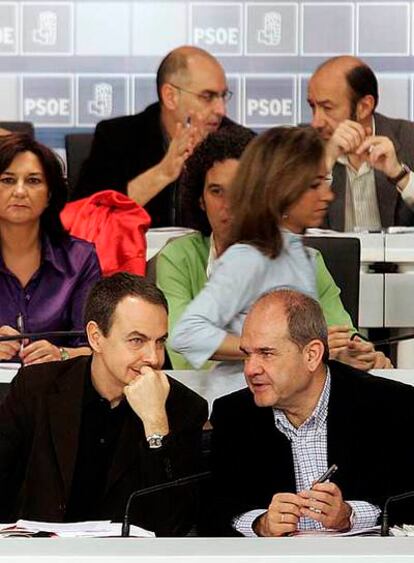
(155, 441)
(404, 171)
(64, 354)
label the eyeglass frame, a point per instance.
(209, 97)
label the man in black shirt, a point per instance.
(143, 155)
(78, 437)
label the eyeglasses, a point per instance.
(207, 97)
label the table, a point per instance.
(209, 550)
(157, 238)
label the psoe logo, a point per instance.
(6, 36)
(216, 36)
(49, 107)
(46, 31)
(102, 102)
(274, 107)
(271, 34)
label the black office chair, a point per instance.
(343, 258)
(78, 147)
(18, 127)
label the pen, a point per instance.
(20, 328)
(327, 475)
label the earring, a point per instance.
(285, 216)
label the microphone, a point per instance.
(393, 339)
(37, 335)
(197, 477)
(385, 526)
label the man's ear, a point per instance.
(169, 96)
(94, 335)
(313, 354)
(365, 107)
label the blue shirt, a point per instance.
(240, 276)
(54, 297)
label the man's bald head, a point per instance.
(359, 77)
(303, 315)
(176, 65)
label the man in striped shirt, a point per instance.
(372, 156)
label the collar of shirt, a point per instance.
(317, 420)
(48, 255)
(365, 167)
(291, 239)
(212, 256)
(91, 397)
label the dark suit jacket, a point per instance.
(370, 425)
(393, 210)
(39, 428)
(123, 148)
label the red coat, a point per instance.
(117, 226)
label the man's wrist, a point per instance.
(258, 525)
(164, 177)
(348, 517)
(157, 425)
(400, 174)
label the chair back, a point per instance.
(342, 257)
(18, 127)
(78, 147)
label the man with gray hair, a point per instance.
(300, 415)
(143, 155)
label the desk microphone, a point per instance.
(385, 526)
(196, 478)
(38, 335)
(394, 339)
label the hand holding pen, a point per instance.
(324, 503)
(8, 350)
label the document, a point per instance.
(92, 529)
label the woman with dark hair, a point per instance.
(44, 273)
(281, 172)
(184, 264)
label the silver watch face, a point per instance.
(155, 441)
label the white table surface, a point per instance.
(157, 238)
(209, 550)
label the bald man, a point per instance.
(299, 415)
(372, 156)
(143, 155)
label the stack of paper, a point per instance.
(99, 528)
(404, 530)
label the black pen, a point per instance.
(327, 475)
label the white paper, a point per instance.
(97, 528)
